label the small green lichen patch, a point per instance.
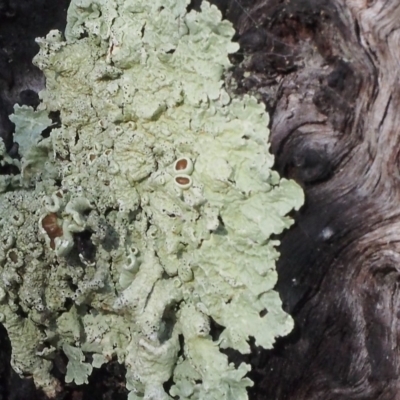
(29, 124)
(77, 370)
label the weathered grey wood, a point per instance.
(328, 71)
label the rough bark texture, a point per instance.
(328, 71)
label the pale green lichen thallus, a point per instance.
(148, 213)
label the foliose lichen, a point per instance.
(148, 214)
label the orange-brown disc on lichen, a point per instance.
(181, 164)
(51, 227)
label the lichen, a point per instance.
(148, 214)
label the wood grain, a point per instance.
(328, 72)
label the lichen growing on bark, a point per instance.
(149, 212)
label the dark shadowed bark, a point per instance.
(328, 72)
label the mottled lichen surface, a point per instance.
(148, 213)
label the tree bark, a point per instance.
(328, 71)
